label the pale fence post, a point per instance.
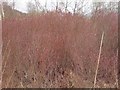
(98, 61)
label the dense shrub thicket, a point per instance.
(59, 50)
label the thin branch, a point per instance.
(6, 62)
(6, 48)
(10, 78)
(116, 71)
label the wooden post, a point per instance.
(98, 61)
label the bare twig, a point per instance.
(10, 78)
(6, 61)
(116, 71)
(98, 61)
(21, 84)
(6, 49)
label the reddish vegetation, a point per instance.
(59, 50)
